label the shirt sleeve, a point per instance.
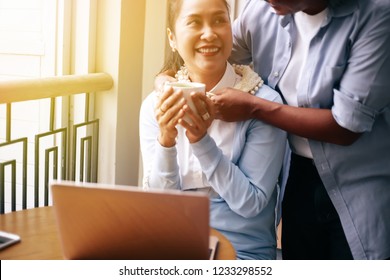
(364, 87)
(160, 166)
(241, 52)
(248, 183)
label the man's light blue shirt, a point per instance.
(347, 71)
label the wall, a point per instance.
(119, 52)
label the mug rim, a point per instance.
(191, 84)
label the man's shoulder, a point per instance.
(256, 9)
(372, 5)
(371, 11)
(257, 17)
(364, 12)
(358, 3)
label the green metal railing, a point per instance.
(12, 163)
(48, 152)
(61, 157)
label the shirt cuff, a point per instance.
(206, 150)
(351, 114)
(167, 156)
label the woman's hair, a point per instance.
(173, 60)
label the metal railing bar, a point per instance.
(54, 151)
(8, 123)
(2, 187)
(33, 89)
(96, 136)
(36, 164)
(96, 153)
(87, 98)
(85, 142)
(89, 157)
(3, 165)
(52, 113)
(24, 166)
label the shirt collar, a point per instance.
(337, 8)
(229, 79)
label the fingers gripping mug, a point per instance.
(187, 88)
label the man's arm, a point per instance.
(316, 124)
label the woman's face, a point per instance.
(203, 36)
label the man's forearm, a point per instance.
(312, 123)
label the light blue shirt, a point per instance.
(243, 179)
(347, 71)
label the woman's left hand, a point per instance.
(202, 120)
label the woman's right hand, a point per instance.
(201, 121)
(168, 111)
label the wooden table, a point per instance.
(39, 236)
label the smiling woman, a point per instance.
(236, 164)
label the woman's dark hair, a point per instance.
(173, 60)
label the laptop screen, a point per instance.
(98, 221)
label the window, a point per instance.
(28, 38)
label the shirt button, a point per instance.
(276, 74)
(289, 44)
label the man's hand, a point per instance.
(163, 78)
(233, 105)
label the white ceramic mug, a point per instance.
(187, 88)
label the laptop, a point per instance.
(98, 221)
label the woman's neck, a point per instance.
(209, 81)
(207, 78)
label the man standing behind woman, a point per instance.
(237, 164)
(330, 60)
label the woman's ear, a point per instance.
(171, 38)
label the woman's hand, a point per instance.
(200, 121)
(168, 112)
